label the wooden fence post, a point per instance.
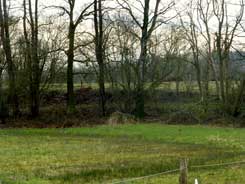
(183, 171)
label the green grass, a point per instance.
(106, 154)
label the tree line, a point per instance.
(133, 45)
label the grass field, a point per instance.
(106, 154)
(164, 85)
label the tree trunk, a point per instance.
(35, 73)
(102, 88)
(36, 77)
(140, 101)
(177, 80)
(217, 86)
(99, 50)
(1, 85)
(199, 81)
(221, 67)
(14, 100)
(238, 101)
(140, 94)
(70, 58)
(206, 85)
(227, 79)
(3, 106)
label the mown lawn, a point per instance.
(108, 154)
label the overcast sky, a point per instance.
(233, 7)
(180, 4)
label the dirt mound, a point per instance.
(86, 95)
(183, 117)
(54, 97)
(117, 118)
(219, 120)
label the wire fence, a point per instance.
(146, 177)
(221, 164)
(177, 170)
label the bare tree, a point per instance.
(121, 58)
(224, 39)
(175, 51)
(32, 53)
(192, 36)
(204, 9)
(2, 100)
(5, 37)
(100, 50)
(149, 24)
(73, 24)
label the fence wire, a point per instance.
(146, 177)
(175, 170)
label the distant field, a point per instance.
(106, 154)
(163, 85)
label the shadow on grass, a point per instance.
(112, 173)
(129, 169)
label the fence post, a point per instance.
(183, 171)
(196, 181)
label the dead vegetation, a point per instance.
(117, 118)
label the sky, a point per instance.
(181, 6)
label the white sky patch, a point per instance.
(181, 6)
